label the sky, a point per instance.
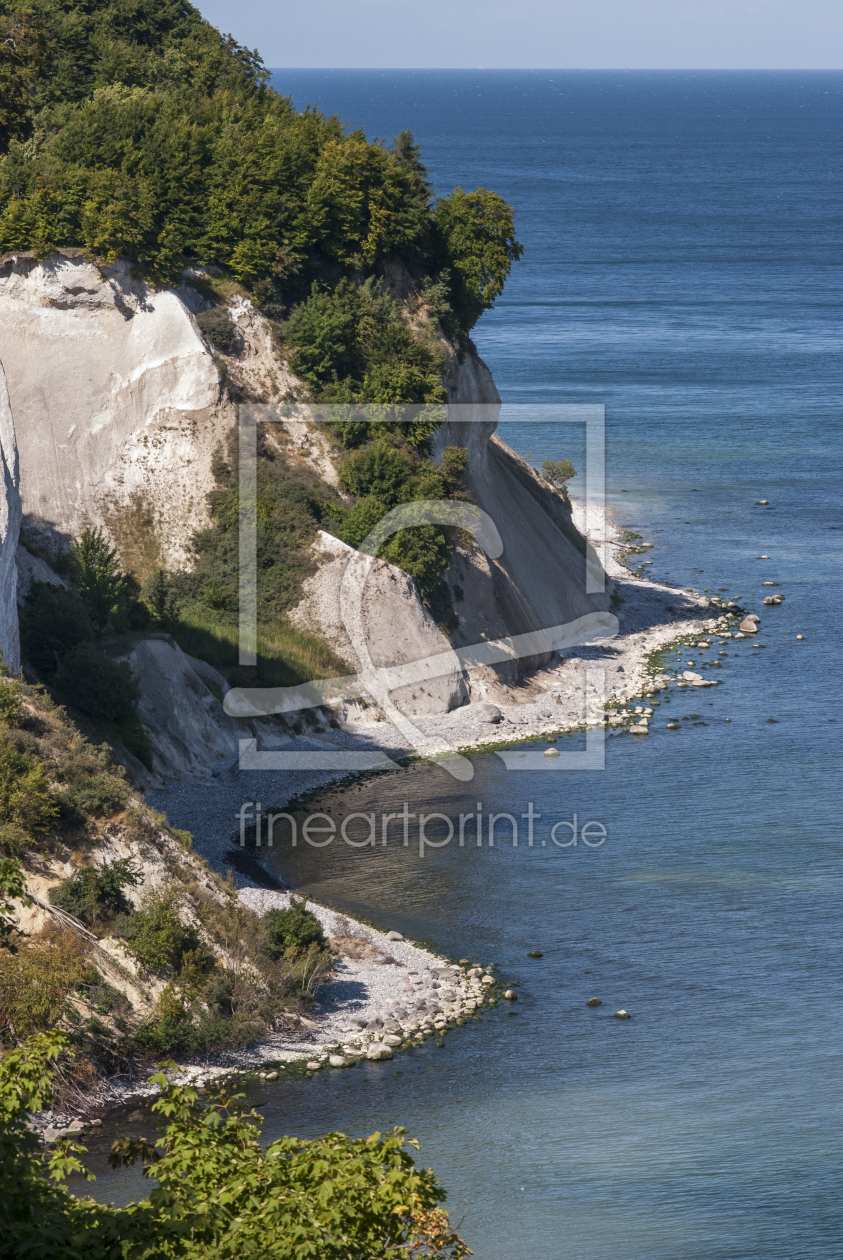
(537, 34)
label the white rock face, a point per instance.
(540, 579)
(117, 403)
(470, 381)
(393, 624)
(10, 516)
(189, 731)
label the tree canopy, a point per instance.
(133, 128)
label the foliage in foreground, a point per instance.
(219, 1192)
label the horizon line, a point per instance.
(591, 69)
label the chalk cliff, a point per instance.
(117, 403)
(10, 514)
(120, 403)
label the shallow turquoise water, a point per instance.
(661, 215)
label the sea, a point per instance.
(682, 237)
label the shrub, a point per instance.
(11, 709)
(351, 345)
(155, 933)
(36, 981)
(558, 472)
(291, 932)
(331, 1197)
(97, 686)
(218, 994)
(219, 329)
(14, 841)
(25, 796)
(53, 621)
(101, 795)
(389, 471)
(95, 894)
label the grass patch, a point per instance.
(286, 656)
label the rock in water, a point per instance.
(378, 1051)
(622, 1015)
(748, 626)
(594, 1002)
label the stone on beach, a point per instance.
(378, 1051)
(394, 936)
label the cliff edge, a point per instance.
(10, 517)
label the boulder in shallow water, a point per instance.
(378, 1051)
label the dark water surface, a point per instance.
(682, 264)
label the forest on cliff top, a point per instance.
(133, 128)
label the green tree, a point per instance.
(53, 621)
(22, 55)
(96, 574)
(12, 889)
(25, 795)
(558, 472)
(155, 933)
(478, 229)
(219, 1192)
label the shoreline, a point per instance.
(551, 702)
(654, 617)
(410, 994)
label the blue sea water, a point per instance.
(682, 265)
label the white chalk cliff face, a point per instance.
(10, 514)
(117, 404)
(389, 624)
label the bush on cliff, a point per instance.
(59, 639)
(52, 780)
(351, 345)
(95, 894)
